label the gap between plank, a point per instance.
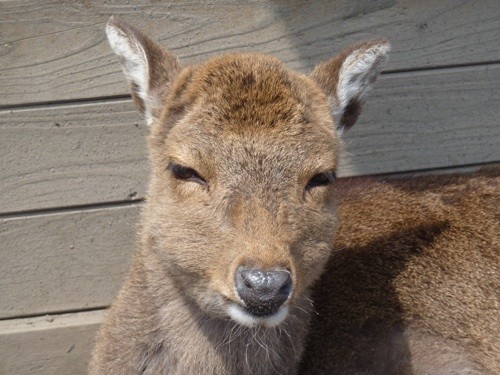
(61, 103)
(48, 321)
(464, 168)
(83, 207)
(438, 68)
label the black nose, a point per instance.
(263, 291)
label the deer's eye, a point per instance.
(321, 179)
(181, 172)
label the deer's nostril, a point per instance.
(286, 288)
(263, 292)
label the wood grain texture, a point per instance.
(424, 120)
(71, 155)
(51, 345)
(94, 153)
(56, 50)
(64, 261)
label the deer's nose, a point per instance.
(263, 291)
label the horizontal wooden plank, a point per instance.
(94, 153)
(71, 155)
(425, 120)
(56, 50)
(64, 261)
(51, 345)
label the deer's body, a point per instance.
(412, 287)
(242, 267)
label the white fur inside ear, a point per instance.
(357, 74)
(134, 64)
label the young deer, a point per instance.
(242, 267)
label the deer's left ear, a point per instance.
(347, 78)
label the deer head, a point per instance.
(241, 209)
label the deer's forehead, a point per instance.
(301, 146)
(243, 72)
(248, 107)
(247, 91)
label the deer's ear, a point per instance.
(149, 68)
(347, 78)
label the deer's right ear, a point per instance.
(149, 68)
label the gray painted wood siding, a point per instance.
(78, 154)
(73, 148)
(56, 50)
(64, 261)
(55, 344)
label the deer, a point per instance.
(253, 258)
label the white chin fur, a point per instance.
(239, 315)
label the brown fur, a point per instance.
(412, 286)
(412, 268)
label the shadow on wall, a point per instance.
(319, 29)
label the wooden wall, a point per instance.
(72, 147)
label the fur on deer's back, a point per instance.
(412, 286)
(238, 232)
